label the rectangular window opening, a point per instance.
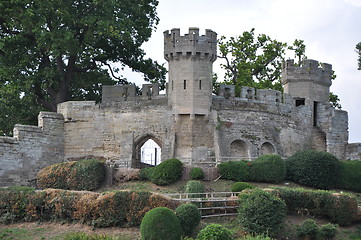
(185, 84)
(315, 116)
(300, 102)
(200, 84)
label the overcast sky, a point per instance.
(330, 28)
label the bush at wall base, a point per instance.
(160, 224)
(314, 169)
(86, 174)
(167, 172)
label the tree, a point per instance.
(55, 51)
(358, 50)
(257, 62)
(252, 61)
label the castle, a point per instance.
(187, 122)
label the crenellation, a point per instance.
(188, 122)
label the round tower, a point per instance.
(190, 59)
(308, 83)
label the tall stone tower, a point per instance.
(309, 83)
(190, 59)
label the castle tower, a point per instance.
(190, 59)
(309, 83)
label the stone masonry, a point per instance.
(188, 122)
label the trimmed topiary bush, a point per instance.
(194, 186)
(215, 232)
(328, 231)
(351, 175)
(240, 186)
(314, 169)
(189, 217)
(236, 171)
(307, 230)
(86, 174)
(197, 173)
(167, 172)
(268, 168)
(261, 212)
(160, 224)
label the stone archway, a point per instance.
(147, 152)
(239, 149)
(267, 148)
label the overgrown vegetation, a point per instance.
(87, 174)
(339, 208)
(314, 169)
(119, 208)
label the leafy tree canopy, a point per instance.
(358, 50)
(256, 61)
(55, 51)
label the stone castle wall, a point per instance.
(187, 122)
(31, 149)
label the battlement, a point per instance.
(190, 45)
(309, 71)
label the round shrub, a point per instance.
(194, 186)
(328, 231)
(268, 168)
(261, 213)
(315, 169)
(240, 186)
(215, 232)
(197, 173)
(167, 172)
(189, 217)
(86, 174)
(308, 229)
(160, 223)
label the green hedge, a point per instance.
(351, 175)
(315, 169)
(87, 174)
(167, 172)
(267, 168)
(236, 171)
(339, 208)
(120, 208)
(261, 212)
